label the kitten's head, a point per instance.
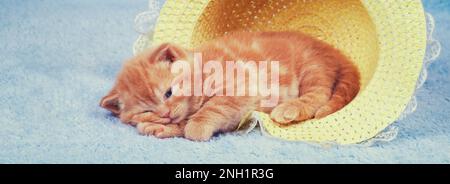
(144, 86)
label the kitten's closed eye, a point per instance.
(168, 93)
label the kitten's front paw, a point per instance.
(198, 131)
(148, 117)
(159, 131)
(287, 113)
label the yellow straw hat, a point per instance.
(386, 39)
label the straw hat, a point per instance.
(385, 39)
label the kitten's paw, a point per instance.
(149, 128)
(148, 117)
(172, 130)
(198, 131)
(159, 131)
(323, 111)
(287, 113)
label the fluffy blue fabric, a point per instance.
(58, 58)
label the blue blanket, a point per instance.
(58, 58)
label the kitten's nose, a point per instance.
(165, 113)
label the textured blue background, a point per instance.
(58, 58)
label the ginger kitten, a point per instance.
(315, 80)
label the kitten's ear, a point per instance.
(170, 52)
(111, 102)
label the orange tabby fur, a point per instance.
(315, 81)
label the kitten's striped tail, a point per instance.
(346, 88)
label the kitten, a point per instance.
(315, 80)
